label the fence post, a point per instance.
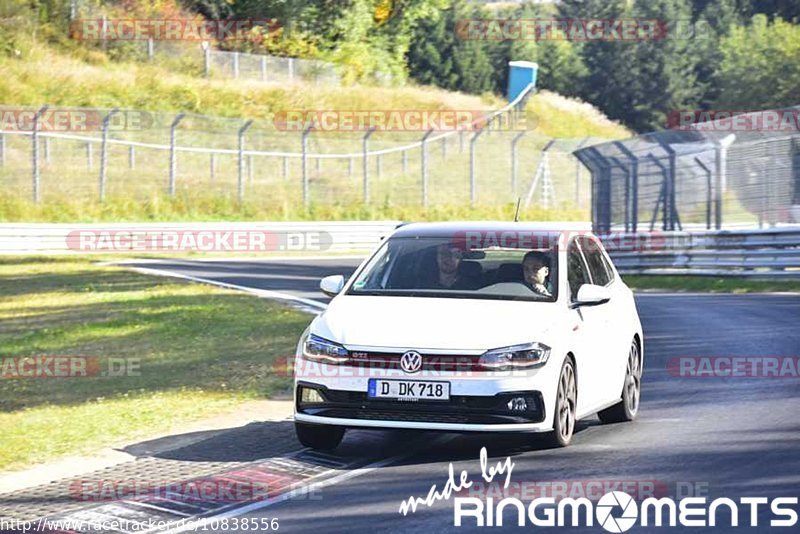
(173, 154)
(473, 183)
(514, 142)
(213, 166)
(304, 138)
(104, 153)
(543, 174)
(46, 149)
(2, 149)
(444, 147)
(634, 178)
(285, 167)
(35, 152)
(89, 158)
(709, 190)
(242, 131)
(206, 58)
(461, 141)
(424, 159)
(365, 144)
(151, 51)
(291, 69)
(318, 166)
(236, 65)
(404, 160)
(350, 162)
(263, 68)
(721, 171)
(131, 157)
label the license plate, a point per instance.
(408, 390)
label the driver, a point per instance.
(448, 273)
(536, 268)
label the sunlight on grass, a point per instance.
(198, 350)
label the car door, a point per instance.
(611, 348)
(587, 331)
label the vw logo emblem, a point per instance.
(411, 362)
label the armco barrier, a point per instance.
(768, 253)
(336, 236)
(773, 252)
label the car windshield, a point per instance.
(442, 267)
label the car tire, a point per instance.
(566, 406)
(627, 408)
(320, 437)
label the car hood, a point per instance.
(435, 323)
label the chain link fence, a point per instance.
(709, 175)
(137, 155)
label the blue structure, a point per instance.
(521, 74)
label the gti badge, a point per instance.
(411, 362)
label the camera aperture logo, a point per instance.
(615, 511)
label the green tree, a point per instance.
(759, 68)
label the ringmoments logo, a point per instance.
(614, 511)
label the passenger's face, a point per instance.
(535, 271)
(448, 259)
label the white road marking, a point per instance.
(200, 523)
(305, 304)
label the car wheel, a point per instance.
(322, 437)
(627, 408)
(566, 406)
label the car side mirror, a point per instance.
(592, 295)
(332, 285)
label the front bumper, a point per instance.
(461, 413)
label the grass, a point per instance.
(68, 75)
(708, 284)
(201, 351)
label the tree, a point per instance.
(759, 68)
(438, 56)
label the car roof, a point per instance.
(454, 228)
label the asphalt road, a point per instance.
(720, 437)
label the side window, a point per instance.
(609, 269)
(577, 275)
(596, 261)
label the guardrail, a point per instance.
(766, 253)
(18, 238)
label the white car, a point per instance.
(460, 327)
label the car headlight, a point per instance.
(527, 356)
(318, 349)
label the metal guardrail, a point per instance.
(765, 253)
(18, 238)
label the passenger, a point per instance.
(536, 269)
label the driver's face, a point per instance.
(535, 271)
(448, 259)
